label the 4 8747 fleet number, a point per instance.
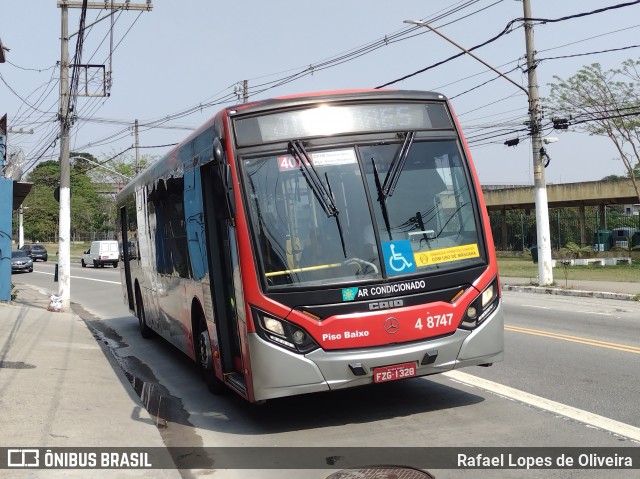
(435, 321)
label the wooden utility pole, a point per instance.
(64, 224)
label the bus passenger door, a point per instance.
(126, 255)
(219, 236)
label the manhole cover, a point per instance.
(381, 472)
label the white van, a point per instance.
(101, 253)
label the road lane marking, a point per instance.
(575, 339)
(82, 277)
(582, 312)
(580, 415)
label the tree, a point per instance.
(108, 175)
(41, 217)
(116, 169)
(604, 103)
(614, 178)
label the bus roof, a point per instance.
(339, 95)
(288, 101)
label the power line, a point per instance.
(580, 15)
(101, 163)
(334, 61)
(589, 53)
(507, 30)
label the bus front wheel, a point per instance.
(205, 363)
(145, 331)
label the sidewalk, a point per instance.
(589, 289)
(60, 388)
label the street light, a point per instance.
(100, 165)
(545, 272)
(426, 25)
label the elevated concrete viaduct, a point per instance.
(569, 195)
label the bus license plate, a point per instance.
(391, 373)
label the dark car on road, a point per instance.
(36, 251)
(20, 261)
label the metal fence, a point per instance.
(77, 238)
(602, 232)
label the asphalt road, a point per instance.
(567, 352)
(578, 351)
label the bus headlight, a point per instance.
(273, 325)
(283, 333)
(481, 307)
(299, 336)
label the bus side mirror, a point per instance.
(218, 152)
(224, 177)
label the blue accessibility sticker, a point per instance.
(398, 257)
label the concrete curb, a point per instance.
(569, 292)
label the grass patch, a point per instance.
(77, 248)
(520, 267)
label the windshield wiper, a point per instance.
(320, 190)
(381, 199)
(396, 167)
(344, 248)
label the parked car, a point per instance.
(36, 251)
(20, 261)
(101, 253)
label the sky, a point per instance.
(174, 67)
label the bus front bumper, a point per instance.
(277, 372)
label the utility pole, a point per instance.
(64, 223)
(545, 270)
(137, 170)
(245, 91)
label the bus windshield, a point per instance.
(396, 209)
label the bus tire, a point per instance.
(145, 331)
(205, 363)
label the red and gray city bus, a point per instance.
(316, 242)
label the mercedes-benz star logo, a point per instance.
(391, 325)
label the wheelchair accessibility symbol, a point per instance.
(398, 256)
